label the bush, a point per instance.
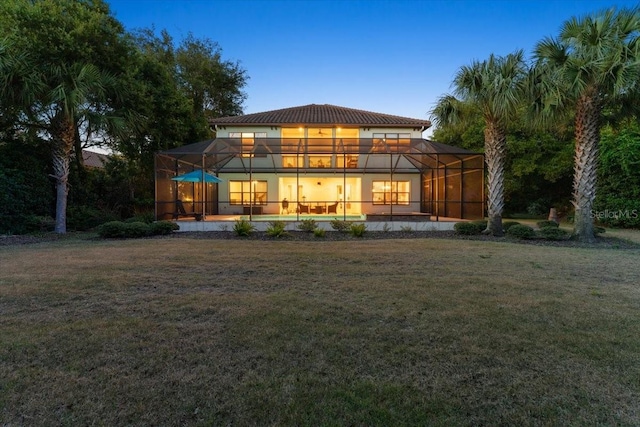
(339, 225)
(468, 228)
(119, 229)
(319, 232)
(553, 233)
(137, 229)
(521, 231)
(546, 223)
(276, 229)
(358, 230)
(146, 217)
(163, 227)
(617, 212)
(83, 218)
(508, 224)
(37, 223)
(481, 223)
(242, 227)
(307, 225)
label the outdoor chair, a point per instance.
(182, 212)
(303, 208)
(332, 208)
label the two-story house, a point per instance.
(322, 160)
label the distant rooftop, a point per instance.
(94, 160)
(321, 114)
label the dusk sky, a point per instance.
(395, 57)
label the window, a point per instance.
(394, 142)
(247, 193)
(247, 140)
(391, 192)
(293, 147)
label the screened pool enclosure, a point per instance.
(339, 177)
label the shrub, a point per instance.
(508, 224)
(547, 223)
(137, 229)
(406, 229)
(339, 225)
(37, 223)
(319, 232)
(307, 225)
(358, 230)
(146, 217)
(386, 228)
(83, 218)
(163, 227)
(521, 231)
(112, 229)
(119, 229)
(468, 228)
(553, 233)
(276, 229)
(242, 227)
(481, 223)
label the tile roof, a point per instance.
(94, 160)
(323, 114)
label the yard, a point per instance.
(372, 332)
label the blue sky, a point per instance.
(395, 57)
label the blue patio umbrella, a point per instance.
(197, 176)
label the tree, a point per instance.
(213, 85)
(56, 68)
(494, 88)
(592, 64)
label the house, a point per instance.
(92, 159)
(323, 160)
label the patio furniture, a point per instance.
(303, 208)
(332, 208)
(183, 212)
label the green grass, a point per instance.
(372, 332)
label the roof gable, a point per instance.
(321, 114)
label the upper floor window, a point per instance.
(391, 142)
(247, 141)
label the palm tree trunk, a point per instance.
(495, 143)
(586, 167)
(63, 139)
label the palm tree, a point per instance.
(493, 87)
(592, 64)
(52, 99)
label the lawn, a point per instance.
(373, 332)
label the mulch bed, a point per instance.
(602, 242)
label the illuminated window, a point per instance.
(247, 141)
(247, 193)
(293, 147)
(394, 142)
(391, 192)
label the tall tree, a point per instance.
(493, 87)
(593, 63)
(214, 85)
(55, 69)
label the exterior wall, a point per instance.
(368, 132)
(276, 131)
(379, 162)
